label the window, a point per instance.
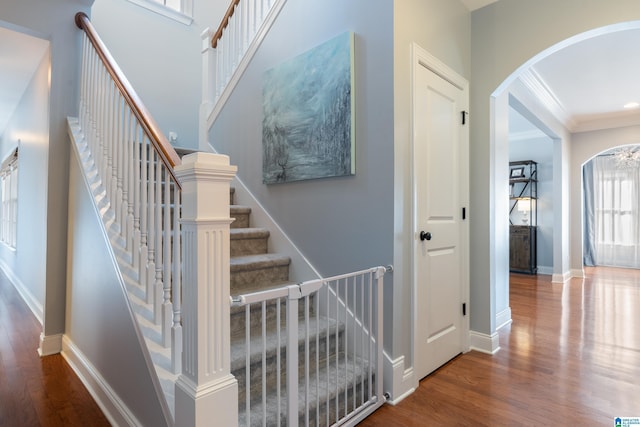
(612, 213)
(9, 199)
(179, 10)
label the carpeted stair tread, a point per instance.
(260, 261)
(249, 233)
(239, 209)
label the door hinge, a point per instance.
(464, 213)
(464, 117)
(464, 308)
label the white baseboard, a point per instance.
(32, 302)
(575, 272)
(398, 381)
(111, 405)
(50, 344)
(484, 343)
(503, 318)
(566, 276)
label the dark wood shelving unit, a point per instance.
(523, 195)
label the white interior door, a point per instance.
(440, 173)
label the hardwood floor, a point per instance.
(36, 391)
(570, 357)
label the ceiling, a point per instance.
(587, 85)
(20, 56)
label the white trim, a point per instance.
(398, 381)
(566, 276)
(181, 17)
(32, 302)
(540, 90)
(575, 272)
(50, 344)
(111, 405)
(489, 344)
(503, 318)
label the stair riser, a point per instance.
(240, 247)
(241, 220)
(242, 279)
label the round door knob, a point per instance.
(425, 235)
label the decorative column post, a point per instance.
(206, 393)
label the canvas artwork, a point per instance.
(308, 123)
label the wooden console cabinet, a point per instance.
(522, 249)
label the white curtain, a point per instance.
(612, 233)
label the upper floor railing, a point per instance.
(228, 51)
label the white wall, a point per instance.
(504, 37)
(29, 128)
(161, 58)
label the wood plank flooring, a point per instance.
(570, 357)
(36, 391)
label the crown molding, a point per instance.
(537, 86)
(617, 119)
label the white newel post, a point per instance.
(205, 393)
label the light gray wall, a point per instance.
(504, 36)
(540, 150)
(161, 58)
(442, 28)
(29, 128)
(53, 21)
(99, 321)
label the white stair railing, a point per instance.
(228, 51)
(324, 365)
(135, 165)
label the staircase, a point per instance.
(171, 249)
(336, 382)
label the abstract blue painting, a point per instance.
(308, 127)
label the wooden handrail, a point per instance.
(167, 153)
(224, 23)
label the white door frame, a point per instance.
(422, 58)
